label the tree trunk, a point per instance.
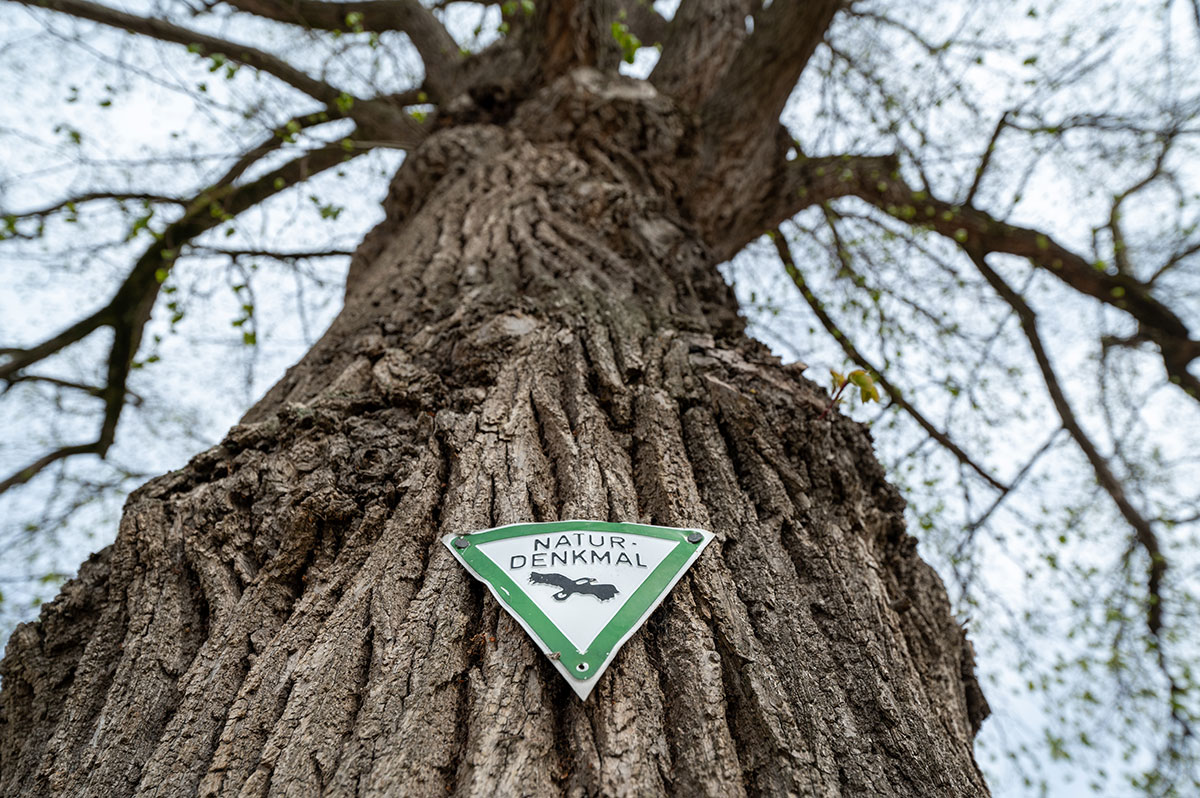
(534, 333)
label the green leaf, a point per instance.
(628, 43)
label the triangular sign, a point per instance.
(579, 588)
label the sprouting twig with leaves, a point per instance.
(868, 391)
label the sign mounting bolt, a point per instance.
(695, 537)
(461, 543)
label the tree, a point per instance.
(537, 331)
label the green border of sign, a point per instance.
(628, 619)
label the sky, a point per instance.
(205, 376)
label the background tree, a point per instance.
(912, 208)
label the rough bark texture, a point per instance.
(536, 332)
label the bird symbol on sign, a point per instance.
(570, 587)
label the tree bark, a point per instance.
(536, 332)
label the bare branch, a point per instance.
(1143, 532)
(281, 136)
(27, 473)
(267, 253)
(436, 47)
(72, 203)
(852, 352)
(19, 358)
(971, 227)
(986, 159)
(1016, 480)
(1119, 248)
(129, 309)
(91, 390)
(1176, 258)
(200, 43)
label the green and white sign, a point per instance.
(579, 588)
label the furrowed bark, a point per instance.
(536, 332)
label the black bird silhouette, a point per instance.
(569, 587)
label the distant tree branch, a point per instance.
(71, 203)
(876, 180)
(201, 43)
(1143, 532)
(91, 390)
(986, 159)
(19, 357)
(1119, 247)
(437, 48)
(1016, 480)
(129, 309)
(1178, 256)
(267, 253)
(27, 473)
(278, 138)
(853, 353)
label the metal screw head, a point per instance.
(695, 537)
(461, 543)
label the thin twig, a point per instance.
(818, 309)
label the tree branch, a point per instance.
(644, 22)
(750, 95)
(986, 159)
(852, 352)
(437, 48)
(799, 184)
(569, 34)
(266, 253)
(91, 390)
(876, 180)
(200, 43)
(71, 203)
(1143, 532)
(27, 473)
(129, 309)
(19, 358)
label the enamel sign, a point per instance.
(579, 588)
